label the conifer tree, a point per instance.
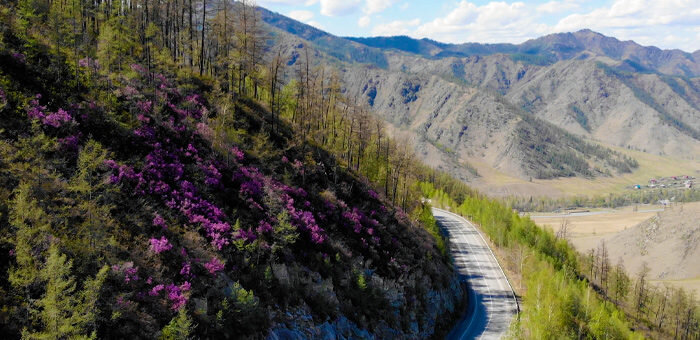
(179, 328)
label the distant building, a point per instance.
(664, 202)
(637, 186)
(688, 184)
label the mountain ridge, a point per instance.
(603, 97)
(552, 47)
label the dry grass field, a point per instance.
(668, 241)
(499, 184)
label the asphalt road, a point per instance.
(491, 300)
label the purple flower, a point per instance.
(214, 265)
(237, 153)
(145, 106)
(298, 165)
(213, 176)
(158, 221)
(246, 235)
(373, 194)
(186, 269)
(176, 296)
(35, 110)
(156, 290)
(19, 57)
(57, 119)
(194, 98)
(69, 143)
(89, 62)
(354, 217)
(138, 68)
(131, 274)
(160, 245)
(264, 227)
(129, 91)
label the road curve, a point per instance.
(492, 302)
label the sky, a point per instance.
(668, 24)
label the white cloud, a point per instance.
(301, 15)
(376, 6)
(665, 24)
(492, 22)
(364, 21)
(397, 27)
(553, 7)
(334, 8)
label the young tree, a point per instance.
(641, 290)
(621, 282)
(65, 313)
(604, 262)
(179, 328)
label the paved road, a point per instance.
(491, 300)
(589, 213)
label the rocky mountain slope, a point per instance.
(531, 110)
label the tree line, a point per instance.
(566, 293)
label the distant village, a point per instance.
(675, 182)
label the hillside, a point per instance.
(669, 243)
(141, 201)
(453, 124)
(473, 109)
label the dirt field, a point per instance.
(668, 240)
(593, 226)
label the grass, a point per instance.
(498, 183)
(650, 166)
(690, 284)
(600, 225)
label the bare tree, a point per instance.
(563, 232)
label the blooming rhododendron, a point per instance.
(89, 62)
(156, 289)
(160, 245)
(54, 119)
(158, 221)
(214, 265)
(237, 153)
(176, 294)
(186, 269)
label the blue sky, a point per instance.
(663, 23)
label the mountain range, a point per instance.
(563, 105)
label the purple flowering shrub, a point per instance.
(241, 208)
(39, 112)
(160, 245)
